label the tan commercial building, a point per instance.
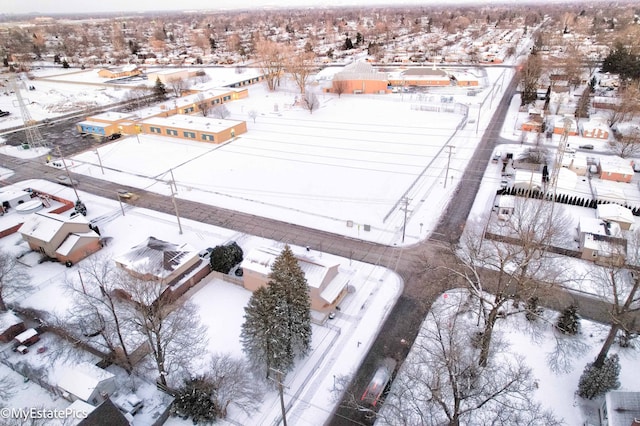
(197, 128)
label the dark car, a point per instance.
(4, 113)
(587, 146)
(114, 136)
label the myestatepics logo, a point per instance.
(41, 413)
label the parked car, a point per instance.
(123, 193)
(206, 253)
(114, 136)
(587, 146)
(64, 180)
(4, 113)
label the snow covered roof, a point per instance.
(261, 259)
(8, 319)
(44, 226)
(111, 116)
(614, 212)
(82, 379)
(612, 164)
(623, 408)
(360, 70)
(606, 192)
(94, 123)
(591, 225)
(191, 122)
(157, 257)
(72, 240)
(567, 179)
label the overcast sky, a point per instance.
(86, 6)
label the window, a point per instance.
(190, 135)
(215, 101)
(188, 110)
(155, 129)
(172, 132)
(206, 137)
(226, 98)
(594, 253)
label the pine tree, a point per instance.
(598, 381)
(277, 325)
(287, 282)
(257, 330)
(569, 322)
(159, 90)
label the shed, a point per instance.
(506, 206)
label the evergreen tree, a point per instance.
(65, 64)
(277, 325)
(288, 283)
(196, 400)
(348, 44)
(598, 381)
(159, 90)
(257, 335)
(224, 258)
(569, 321)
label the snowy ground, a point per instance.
(557, 386)
(354, 160)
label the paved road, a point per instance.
(421, 285)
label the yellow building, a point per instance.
(191, 127)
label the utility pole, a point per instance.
(446, 177)
(278, 381)
(120, 200)
(100, 161)
(66, 169)
(405, 200)
(172, 184)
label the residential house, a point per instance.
(197, 128)
(565, 122)
(359, 77)
(506, 205)
(595, 129)
(65, 239)
(105, 414)
(327, 287)
(616, 213)
(85, 382)
(616, 169)
(620, 408)
(10, 326)
(601, 242)
(157, 260)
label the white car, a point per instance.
(64, 180)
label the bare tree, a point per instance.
(203, 104)
(171, 329)
(220, 111)
(619, 287)
(177, 85)
(627, 144)
(300, 67)
(339, 86)
(272, 58)
(529, 75)
(626, 108)
(97, 310)
(253, 114)
(442, 382)
(310, 101)
(13, 279)
(513, 264)
(235, 384)
(7, 388)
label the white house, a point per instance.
(620, 409)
